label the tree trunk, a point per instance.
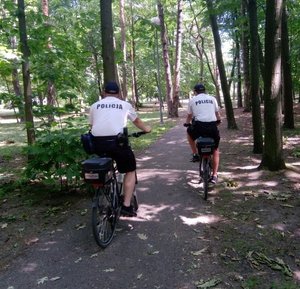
(164, 41)
(26, 73)
(107, 33)
(231, 124)
(245, 58)
(254, 77)
(287, 76)
(123, 48)
(273, 152)
(239, 77)
(50, 92)
(176, 90)
(134, 98)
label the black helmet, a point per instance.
(199, 87)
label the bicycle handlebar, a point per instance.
(137, 134)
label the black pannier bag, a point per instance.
(205, 145)
(87, 141)
(97, 170)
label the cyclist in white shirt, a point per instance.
(108, 118)
(203, 113)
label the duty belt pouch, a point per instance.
(122, 140)
(87, 141)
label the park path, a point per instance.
(166, 246)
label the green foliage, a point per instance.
(56, 155)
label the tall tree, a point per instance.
(231, 124)
(245, 57)
(287, 76)
(254, 78)
(26, 73)
(50, 86)
(176, 89)
(123, 48)
(273, 150)
(107, 33)
(166, 58)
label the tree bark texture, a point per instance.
(123, 48)
(287, 76)
(176, 89)
(107, 34)
(166, 58)
(231, 124)
(254, 77)
(245, 58)
(273, 151)
(26, 73)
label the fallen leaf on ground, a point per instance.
(209, 283)
(109, 270)
(200, 252)
(142, 236)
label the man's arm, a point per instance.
(141, 125)
(189, 118)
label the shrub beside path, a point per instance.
(245, 236)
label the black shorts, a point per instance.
(123, 155)
(204, 129)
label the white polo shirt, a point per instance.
(109, 116)
(203, 107)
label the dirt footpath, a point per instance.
(246, 235)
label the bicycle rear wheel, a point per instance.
(104, 216)
(206, 176)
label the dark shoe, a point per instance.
(195, 158)
(128, 211)
(213, 180)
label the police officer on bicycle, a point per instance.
(204, 116)
(108, 117)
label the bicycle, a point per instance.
(106, 184)
(205, 146)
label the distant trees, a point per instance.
(77, 48)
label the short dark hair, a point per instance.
(199, 87)
(111, 87)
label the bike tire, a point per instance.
(104, 216)
(206, 176)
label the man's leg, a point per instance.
(216, 160)
(192, 144)
(128, 183)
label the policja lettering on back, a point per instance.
(204, 101)
(110, 105)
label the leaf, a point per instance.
(209, 283)
(142, 236)
(153, 252)
(55, 278)
(94, 255)
(200, 252)
(109, 270)
(42, 280)
(80, 226)
(3, 226)
(139, 276)
(78, 260)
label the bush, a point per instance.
(56, 155)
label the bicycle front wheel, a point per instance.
(104, 218)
